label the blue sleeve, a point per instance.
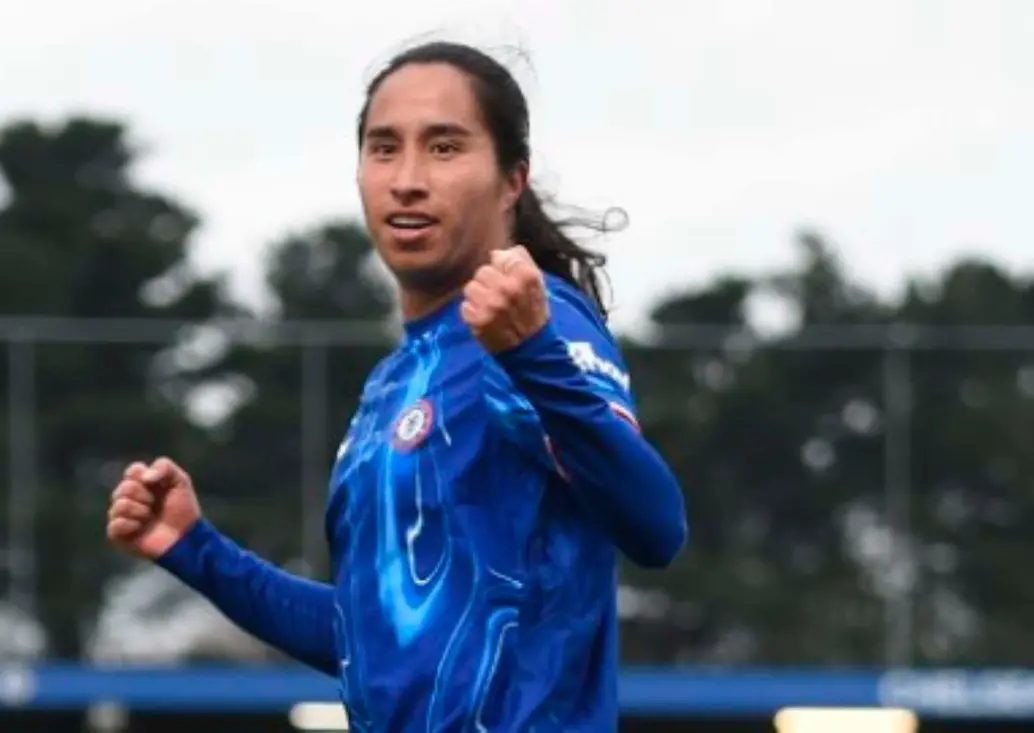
(293, 614)
(572, 374)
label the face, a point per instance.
(434, 198)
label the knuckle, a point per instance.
(512, 286)
(501, 300)
(131, 489)
(167, 466)
(484, 276)
(129, 507)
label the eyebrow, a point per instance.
(437, 129)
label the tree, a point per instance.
(972, 497)
(270, 460)
(79, 238)
(802, 544)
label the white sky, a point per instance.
(903, 129)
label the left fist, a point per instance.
(506, 304)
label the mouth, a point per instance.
(410, 225)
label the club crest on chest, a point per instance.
(412, 426)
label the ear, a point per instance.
(514, 184)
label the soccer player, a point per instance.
(494, 466)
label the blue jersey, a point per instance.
(474, 513)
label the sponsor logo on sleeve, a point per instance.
(585, 358)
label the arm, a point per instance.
(288, 612)
(572, 374)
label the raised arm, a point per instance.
(572, 374)
(559, 355)
(155, 514)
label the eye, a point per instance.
(444, 148)
(381, 148)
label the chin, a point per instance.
(428, 274)
(419, 273)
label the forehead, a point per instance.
(419, 95)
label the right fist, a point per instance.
(152, 508)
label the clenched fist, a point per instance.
(152, 508)
(505, 303)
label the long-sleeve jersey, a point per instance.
(474, 513)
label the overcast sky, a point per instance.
(903, 129)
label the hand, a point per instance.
(505, 303)
(152, 508)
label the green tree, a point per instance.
(972, 497)
(756, 428)
(80, 238)
(269, 459)
(805, 529)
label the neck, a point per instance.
(419, 303)
(419, 299)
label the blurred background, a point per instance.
(825, 295)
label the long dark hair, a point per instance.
(505, 112)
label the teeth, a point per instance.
(412, 222)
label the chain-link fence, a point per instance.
(857, 494)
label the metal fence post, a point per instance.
(22, 480)
(314, 452)
(897, 457)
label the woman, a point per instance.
(494, 465)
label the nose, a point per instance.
(409, 183)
